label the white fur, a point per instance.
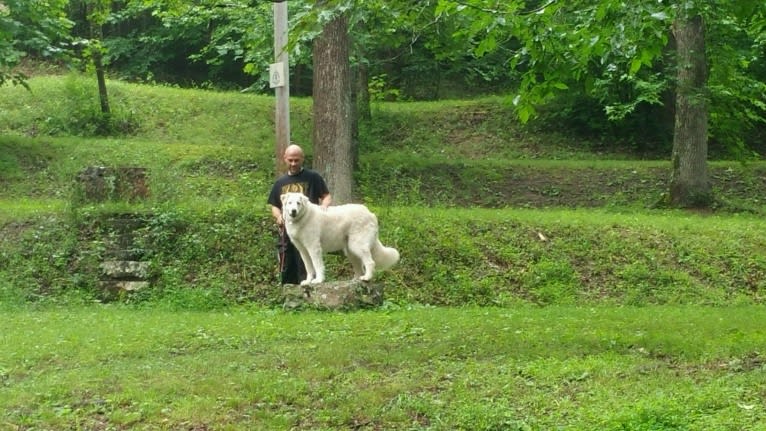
(351, 228)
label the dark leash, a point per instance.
(282, 247)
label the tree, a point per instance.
(689, 181)
(615, 53)
(97, 11)
(332, 108)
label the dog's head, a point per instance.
(294, 204)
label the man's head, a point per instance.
(294, 159)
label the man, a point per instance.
(300, 180)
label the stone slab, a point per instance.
(339, 295)
(125, 269)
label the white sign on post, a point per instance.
(277, 74)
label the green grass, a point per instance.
(686, 368)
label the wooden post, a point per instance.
(282, 92)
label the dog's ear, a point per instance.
(283, 198)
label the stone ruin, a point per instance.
(122, 270)
(100, 183)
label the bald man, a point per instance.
(301, 180)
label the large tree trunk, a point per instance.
(689, 182)
(333, 156)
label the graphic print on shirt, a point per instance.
(295, 188)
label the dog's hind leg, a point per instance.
(369, 266)
(356, 264)
(363, 254)
(360, 246)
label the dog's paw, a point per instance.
(305, 282)
(317, 280)
(365, 278)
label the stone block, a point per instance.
(100, 183)
(339, 295)
(125, 269)
(115, 289)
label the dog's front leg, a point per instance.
(306, 257)
(318, 263)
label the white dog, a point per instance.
(351, 228)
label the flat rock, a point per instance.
(125, 269)
(336, 295)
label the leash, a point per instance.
(282, 247)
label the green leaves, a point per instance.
(36, 27)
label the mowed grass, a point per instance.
(573, 368)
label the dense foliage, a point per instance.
(37, 27)
(599, 68)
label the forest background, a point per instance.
(602, 69)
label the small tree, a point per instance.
(97, 12)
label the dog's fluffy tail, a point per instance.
(384, 257)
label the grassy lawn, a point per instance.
(557, 367)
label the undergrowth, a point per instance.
(213, 258)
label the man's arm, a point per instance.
(325, 201)
(277, 214)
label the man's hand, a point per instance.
(277, 214)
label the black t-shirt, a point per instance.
(308, 182)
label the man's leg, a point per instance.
(293, 270)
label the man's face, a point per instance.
(294, 162)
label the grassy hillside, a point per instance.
(483, 210)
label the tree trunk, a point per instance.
(96, 53)
(333, 156)
(354, 118)
(98, 63)
(690, 180)
(360, 105)
(363, 91)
